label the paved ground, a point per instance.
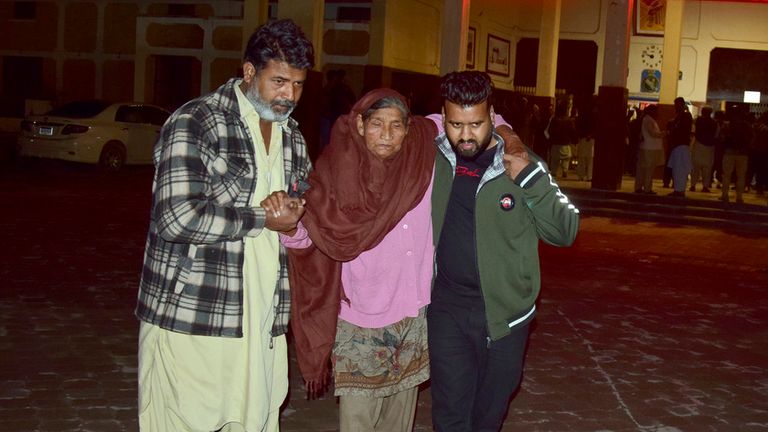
(642, 327)
(628, 185)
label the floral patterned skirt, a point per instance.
(383, 361)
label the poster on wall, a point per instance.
(650, 17)
(471, 48)
(497, 59)
(650, 81)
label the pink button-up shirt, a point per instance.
(391, 281)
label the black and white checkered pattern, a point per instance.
(205, 175)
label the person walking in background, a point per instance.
(738, 137)
(562, 134)
(486, 233)
(679, 139)
(703, 154)
(650, 153)
(634, 135)
(717, 166)
(214, 300)
(586, 154)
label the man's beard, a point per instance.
(474, 152)
(265, 109)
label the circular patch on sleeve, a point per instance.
(507, 202)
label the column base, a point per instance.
(610, 138)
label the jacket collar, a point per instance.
(494, 170)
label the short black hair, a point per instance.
(467, 88)
(282, 41)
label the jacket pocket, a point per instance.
(228, 179)
(184, 269)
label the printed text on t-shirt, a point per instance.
(462, 171)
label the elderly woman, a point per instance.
(363, 254)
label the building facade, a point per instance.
(166, 52)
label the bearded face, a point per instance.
(469, 129)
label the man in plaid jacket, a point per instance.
(214, 298)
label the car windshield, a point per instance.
(79, 109)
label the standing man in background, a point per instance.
(489, 211)
(650, 150)
(738, 137)
(679, 139)
(214, 300)
(703, 155)
(562, 134)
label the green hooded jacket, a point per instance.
(510, 219)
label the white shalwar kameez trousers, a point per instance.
(203, 383)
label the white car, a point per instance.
(95, 132)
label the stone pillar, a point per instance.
(610, 126)
(610, 138)
(549, 35)
(453, 50)
(310, 16)
(546, 65)
(670, 62)
(616, 47)
(100, 58)
(255, 13)
(376, 75)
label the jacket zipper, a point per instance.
(477, 261)
(482, 296)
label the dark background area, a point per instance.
(731, 71)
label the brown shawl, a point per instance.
(354, 200)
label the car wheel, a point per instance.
(112, 157)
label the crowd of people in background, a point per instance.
(557, 133)
(724, 151)
(718, 150)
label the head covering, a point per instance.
(354, 200)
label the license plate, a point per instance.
(45, 130)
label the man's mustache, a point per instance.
(284, 103)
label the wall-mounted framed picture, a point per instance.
(471, 47)
(497, 57)
(649, 17)
(650, 81)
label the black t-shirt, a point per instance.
(457, 279)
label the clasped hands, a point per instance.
(283, 212)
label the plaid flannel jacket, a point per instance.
(205, 174)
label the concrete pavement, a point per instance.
(641, 327)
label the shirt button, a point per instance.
(409, 253)
(405, 226)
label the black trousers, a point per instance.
(472, 379)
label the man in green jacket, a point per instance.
(489, 211)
